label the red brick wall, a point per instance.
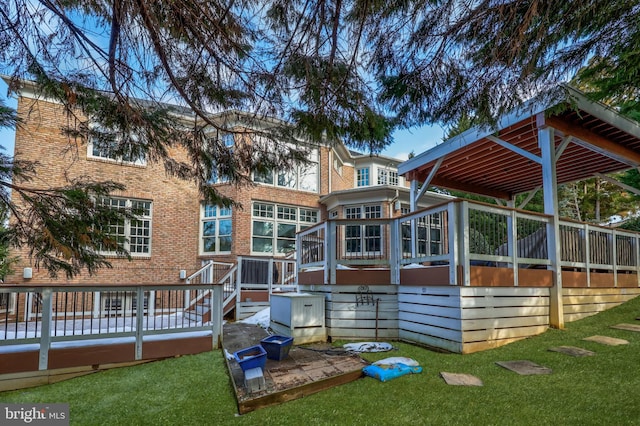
(175, 206)
(175, 203)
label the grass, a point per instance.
(596, 390)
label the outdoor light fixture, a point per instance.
(183, 274)
(27, 273)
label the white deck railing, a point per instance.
(49, 316)
(463, 233)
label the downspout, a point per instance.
(392, 202)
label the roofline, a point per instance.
(378, 188)
(29, 89)
(242, 117)
(605, 112)
(382, 157)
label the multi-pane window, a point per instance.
(362, 176)
(274, 226)
(110, 147)
(216, 229)
(133, 234)
(108, 153)
(363, 239)
(304, 177)
(227, 140)
(428, 235)
(387, 177)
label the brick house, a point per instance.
(177, 232)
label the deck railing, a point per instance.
(48, 316)
(599, 249)
(212, 273)
(463, 233)
(266, 273)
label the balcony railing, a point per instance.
(463, 234)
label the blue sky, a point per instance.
(417, 139)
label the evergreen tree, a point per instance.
(63, 227)
(440, 60)
(331, 69)
(126, 70)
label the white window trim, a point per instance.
(298, 171)
(433, 224)
(141, 162)
(217, 218)
(338, 164)
(275, 220)
(387, 174)
(127, 227)
(228, 140)
(363, 227)
(357, 176)
(124, 302)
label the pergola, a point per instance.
(543, 143)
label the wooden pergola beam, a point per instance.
(595, 142)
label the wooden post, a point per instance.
(465, 242)
(512, 243)
(550, 188)
(587, 253)
(238, 285)
(413, 201)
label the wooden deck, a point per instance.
(308, 369)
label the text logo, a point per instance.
(34, 414)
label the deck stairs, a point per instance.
(247, 285)
(198, 306)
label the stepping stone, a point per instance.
(628, 327)
(606, 340)
(572, 351)
(457, 379)
(524, 367)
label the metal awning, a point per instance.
(505, 160)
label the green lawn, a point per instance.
(193, 390)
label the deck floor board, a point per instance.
(307, 369)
